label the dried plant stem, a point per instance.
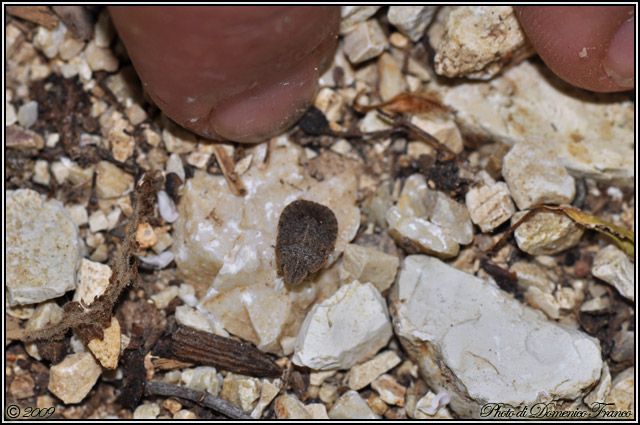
(200, 397)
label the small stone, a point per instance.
(184, 414)
(536, 176)
(622, 391)
(352, 15)
(595, 304)
(317, 411)
(41, 173)
(351, 406)
(164, 297)
(372, 122)
(18, 138)
(377, 405)
(362, 375)
(46, 313)
(21, 311)
(172, 405)
(48, 41)
(28, 114)
(530, 274)
(490, 205)
(100, 254)
(624, 348)
(391, 392)
(72, 379)
(339, 61)
(328, 393)
(398, 40)
(22, 387)
(121, 139)
(45, 401)
(241, 391)
(317, 378)
(390, 79)
(167, 207)
(343, 330)
(147, 411)
(70, 47)
(42, 248)
(568, 298)
(546, 233)
(366, 264)
(267, 394)
(93, 280)
(111, 181)
(614, 267)
(10, 114)
(451, 216)
(494, 348)
(100, 58)
(159, 261)
(145, 235)
(198, 159)
(136, 115)
(365, 41)
(52, 140)
(178, 140)
(202, 378)
(543, 301)
(433, 406)
(163, 243)
(289, 407)
(411, 20)
(107, 350)
(330, 103)
(78, 214)
(174, 165)
(104, 30)
(98, 221)
(445, 130)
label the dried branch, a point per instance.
(200, 397)
(41, 15)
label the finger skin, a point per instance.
(573, 40)
(236, 72)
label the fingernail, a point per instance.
(619, 61)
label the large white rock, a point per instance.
(614, 267)
(227, 241)
(346, 329)
(43, 248)
(481, 346)
(591, 133)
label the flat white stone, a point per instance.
(351, 406)
(345, 329)
(453, 217)
(227, 241)
(48, 41)
(546, 233)
(42, 248)
(28, 114)
(362, 375)
(411, 20)
(480, 345)
(365, 41)
(366, 264)
(72, 378)
(575, 125)
(490, 205)
(614, 267)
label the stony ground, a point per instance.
(425, 175)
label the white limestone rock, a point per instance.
(227, 241)
(366, 264)
(477, 42)
(72, 378)
(93, 280)
(529, 103)
(365, 41)
(390, 79)
(614, 267)
(42, 248)
(345, 329)
(451, 216)
(289, 407)
(411, 20)
(351, 406)
(490, 205)
(362, 375)
(241, 391)
(28, 114)
(546, 233)
(480, 345)
(353, 15)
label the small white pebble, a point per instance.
(52, 140)
(147, 411)
(614, 192)
(158, 261)
(28, 114)
(167, 207)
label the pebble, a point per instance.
(93, 280)
(268, 392)
(121, 138)
(420, 235)
(78, 214)
(19, 138)
(178, 140)
(67, 170)
(41, 173)
(167, 207)
(104, 30)
(494, 347)
(241, 391)
(451, 216)
(478, 41)
(159, 261)
(600, 392)
(372, 122)
(21, 311)
(614, 267)
(164, 297)
(317, 411)
(343, 330)
(188, 316)
(390, 390)
(100, 58)
(445, 130)
(543, 301)
(28, 114)
(137, 115)
(289, 407)
(107, 350)
(595, 304)
(48, 41)
(339, 61)
(70, 47)
(366, 264)
(112, 181)
(530, 274)
(226, 241)
(184, 414)
(390, 79)
(351, 406)
(202, 378)
(623, 390)
(362, 375)
(42, 248)
(365, 41)
(536, 176)
(376, 405)
(10, 114)
(546, 233)
(72, 379)
(146, 236)
(98, 221)
(328, 393)
(490, 205)
(352, 15)
(330, 103)
(411, 20)
(147, 411)
(22, 387)
(433, 406)
(624, 347)
(45, 313)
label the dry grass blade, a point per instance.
(228, 169)
(410, 103)
(200, 397)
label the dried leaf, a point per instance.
(411, 103)
(314, 123)
(307, 233)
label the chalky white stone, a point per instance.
(352, 15)
(367, 264)
(480, 345)
(351, 406)
(411, 20)
(72, 378)
(227, 241)
(42, 246)
(365, 41)
(345, 329)
(490, 205)
(614, 267)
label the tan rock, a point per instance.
(267, 394)
(241, 391)
(490, 205)
(289, 407)
(19, 138)
(389, 389)
(622, 393)
(366, 264)
(390, 79)
(147, 411)
(72, 379)
(146, 236)
(93, 280)
(614, 267)
(445, 130)
(365, 41)
(185, 414)
(107, 350)
(100, 58)
(546, 233)
(362, 375)
(351, 406)
(411, 20)
(317, 411)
